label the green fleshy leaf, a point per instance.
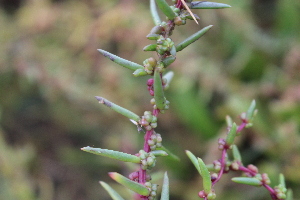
(169, 76)
(121, 61)
(250, 111)
(192, 38)
(152, 36)
(247, 181)
(118, 109)
(170, 154)
(165, 8)
(139, 72)
(289, 195)
(282, 180)
(132, 185)
(159, 96)
(113, 154)
(168, 60)
(229, 121)
(150, 47)
(205, 176)
(194, 161)
(173, 51)
(208, 5)
(165, 188)
(154, 13)
(210, 167)
(231, 135)
(157, 30)
(236, 153)
(159, 153)
(113, 194)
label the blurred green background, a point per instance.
(50, 72)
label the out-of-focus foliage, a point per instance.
(50, 72)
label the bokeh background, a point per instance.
(50, 72)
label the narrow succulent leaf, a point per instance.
(150, 47)
(236, 153)
(173, 51)
(165, 8)
(157, 30)
(208, 5)
(119, 109)
(113, 194)
(152, 36)
(121, 61)
(194, 160)
(168, 60)
(282, 180)
(154, 13)
(205, 176)
(169, 76)
(250, 111)
(113, 154)
(139, 72)
(192, 38)
(159, 96)
(231, 135)
(159, 153)
(170, 154)
(289, 194)
(247, 181)
(210, 167)
(165, 188)
(132, 185)
(228, 121)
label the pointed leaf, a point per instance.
(192, 38)
(236, 153)
(150, 47)
(158, 29)
(154, 13)
(139, 72)
(152, 36)
(168, 60)
(208, 5)
(132, 185)
(247, 181)
(113, 194)
(119, 109)
(169, 76)
(159, 96)
(170, 154)
(121, 61)
(165, 188)
(231, 135)
(205, 175)
(228, 121)
(159, 153)
(250, 111)
(113, 154)
(165, 8)
(289, 195)
(194, 161)
(282, 180)
(173, 51)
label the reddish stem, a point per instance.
(223, 164)
(241, 127)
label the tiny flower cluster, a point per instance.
(148, 121)
(155, 141)
(153, 190)
(148, 160)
